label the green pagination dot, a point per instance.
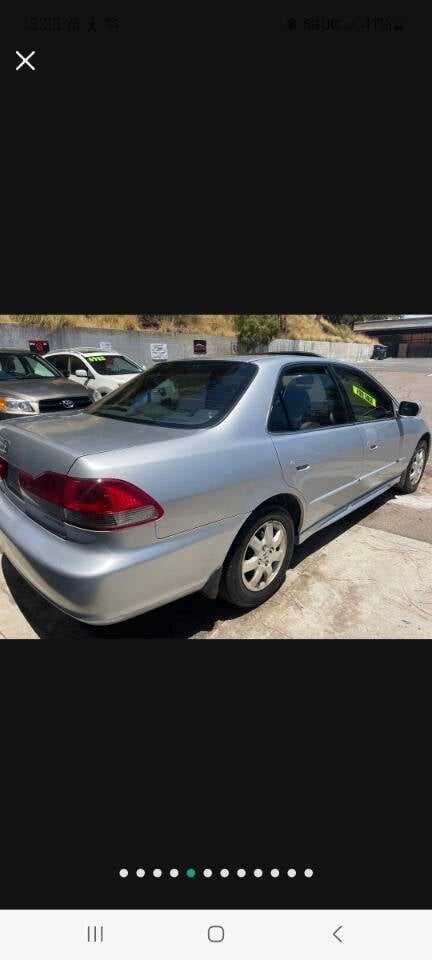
(191, 872)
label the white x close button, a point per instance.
(25, 61)
(216, 934)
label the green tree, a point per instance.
(257, 329)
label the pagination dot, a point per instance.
(258, 872)
(291, 872)
(157, 872)
(123, 872)
(207, 872)
(241, 872)
(274, 872)
(224, 872)
(140, 872)
(308, 872)
(174, 872)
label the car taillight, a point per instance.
(3, 467)
(93, 504)
(48, 486)
(107, 504)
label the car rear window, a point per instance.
(193, 394)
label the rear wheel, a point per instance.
(256, 564)
(414, 472)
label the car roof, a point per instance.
(292, 357)
(249, 357)
(21, 352)
(88, 353)
(276, 359)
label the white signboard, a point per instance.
(159, 351)
(104, 346)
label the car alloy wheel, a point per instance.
(417, 466)
(264, 555)
(410, 479)
(259, 557)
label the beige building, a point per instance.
(409, 336)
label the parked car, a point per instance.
(198, 475)
(29, 385)
(379, 352)
(104, 370)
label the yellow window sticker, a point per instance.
(98, 357)
(365, 396)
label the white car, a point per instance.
(103, 369)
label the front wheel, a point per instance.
(414, 472)
(256, 565)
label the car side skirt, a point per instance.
(344, 511)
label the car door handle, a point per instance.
(303, 466)
(373, 446)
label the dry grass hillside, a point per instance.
(296, 326)
(217, 324)
(308, 326)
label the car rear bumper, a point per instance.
(100, 585)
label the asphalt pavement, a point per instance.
(397, 365)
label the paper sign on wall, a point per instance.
(159, 351)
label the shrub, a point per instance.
(257, 330)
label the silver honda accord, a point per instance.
(199, 474)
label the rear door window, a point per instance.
(306, 399)
(61, 362)
(77, 363)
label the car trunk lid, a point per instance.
(38, 444)
(60, 445)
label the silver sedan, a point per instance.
(198, 475)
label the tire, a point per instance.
(411, 478)
(235, 578)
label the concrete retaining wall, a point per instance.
(354, 352)
(137, 345)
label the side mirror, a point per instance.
(85, 374)
(409, 409)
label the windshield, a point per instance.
(15, 366)
(115, 365)
(184, 394)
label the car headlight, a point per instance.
(96, 395)
(15, 406)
